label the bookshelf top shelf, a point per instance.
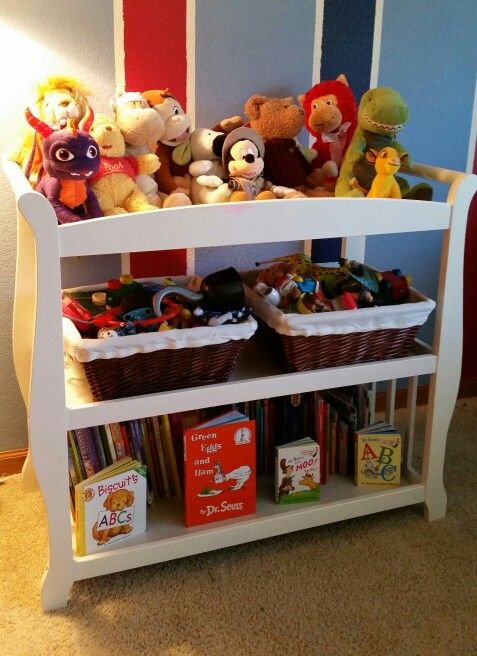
(230, 223)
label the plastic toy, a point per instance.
(70, 158)
(221, 291)
(382, 114)
(387, 162)
(394, 287)
(331, 117)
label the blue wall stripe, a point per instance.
(243, 48)
(428, 54)
(347, 47)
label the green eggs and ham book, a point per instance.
(219, 469)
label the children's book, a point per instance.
(110, 506)
(219, 469)
(297, 471)
(378, 455)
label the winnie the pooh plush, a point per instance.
(114, 182)
(278, 121)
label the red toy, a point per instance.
(331, 117)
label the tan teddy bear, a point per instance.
(114, 182)
(278, 121)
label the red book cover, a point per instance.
(319, 407)
(219, 469)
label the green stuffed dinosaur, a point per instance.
(382, 113)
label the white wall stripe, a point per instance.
(378, 26)
(190, 96)
(317, 49)
(473, 134)
(190, 60)
(118, 20)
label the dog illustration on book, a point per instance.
(240, 475)
(115, 503)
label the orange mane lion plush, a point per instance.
(331, 117)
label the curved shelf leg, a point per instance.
(29, 482)
(55, 590)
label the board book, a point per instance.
(297, 471)
(219, 469)
(378, 455)
(110, 506)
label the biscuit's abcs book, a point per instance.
(377, 455)
(110, 506)
(219, 469)
(297, 471)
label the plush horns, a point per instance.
(87, 120)
(41, 127)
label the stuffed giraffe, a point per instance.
(386, 162)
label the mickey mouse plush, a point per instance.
(242, 157)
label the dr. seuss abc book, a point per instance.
(297, 471)
(219, 469)
(110, 506)
(378, 455)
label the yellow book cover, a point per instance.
(377, 455)
(110, 506)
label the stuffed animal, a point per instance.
(278, 121)
(330, 116)
(382, 113)
(207, 166)
(70, 157)
(114, 181)
(242, 157)
(57, 99)
(140, 126)
(386, 162)
(173, 148)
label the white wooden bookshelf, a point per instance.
(57, 399)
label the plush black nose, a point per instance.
(249, 158)
(217, 144)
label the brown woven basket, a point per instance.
(301, 353)
(159, 371)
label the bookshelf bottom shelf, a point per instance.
(166, 537)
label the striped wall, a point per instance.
(215, 53)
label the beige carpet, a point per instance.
(389, 584)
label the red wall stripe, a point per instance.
(469, 361)
(155, 58)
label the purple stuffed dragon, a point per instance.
(70, 157)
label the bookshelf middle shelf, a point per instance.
(254, 377)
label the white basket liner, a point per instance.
(342, 322)
(86, 350)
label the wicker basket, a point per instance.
(155, 362)
(313, 341)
